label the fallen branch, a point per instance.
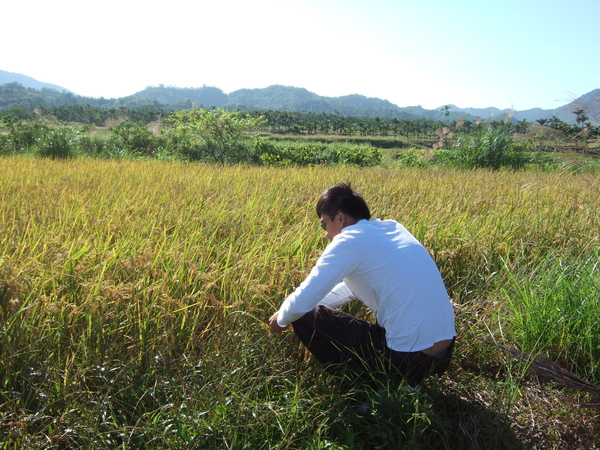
(546, 368)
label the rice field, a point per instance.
(134, 297)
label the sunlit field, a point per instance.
(134, 297)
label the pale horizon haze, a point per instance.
(511, 54)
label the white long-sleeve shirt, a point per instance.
(381, 264)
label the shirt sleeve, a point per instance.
(339, 295)
(338, 260)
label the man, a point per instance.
(381, 264)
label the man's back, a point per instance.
(394, 275)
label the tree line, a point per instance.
(291, 122)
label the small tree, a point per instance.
(218, 131)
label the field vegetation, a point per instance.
(282, 138)
(134, 296)
(139, 263)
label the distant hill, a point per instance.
(10, 77)
(278, 97)
(590, 102)
(288, 98)
(206, 96)
(493, 113)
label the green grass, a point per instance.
(555, 308)
(134, 297)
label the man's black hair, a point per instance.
(342, 198)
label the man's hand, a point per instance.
(274, 325)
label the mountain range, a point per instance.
(10, 77)
(288, 98)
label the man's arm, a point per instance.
(339, 295)
(337, 261)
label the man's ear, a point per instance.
(347, 220)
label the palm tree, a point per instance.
(446, 112)
(581, 117)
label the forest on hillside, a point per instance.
(15, 98)
(47, 123)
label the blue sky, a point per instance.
(511, 54)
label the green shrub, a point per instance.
(135, 138)
(4, 144)
(488, 149)
(214, 135)
(56, 143)
(411, 158)
(94, 146)
(183, 144)
(304, 155)
(355, 156)
(293, 155)
(21, 135)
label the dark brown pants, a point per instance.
(339, 340)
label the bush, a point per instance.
(299, 155)
(56, 143)
(215, 135)
(490, 149)
(135, 138)
(411, 158)
(21, 135)
(94, 146)
(356, 156)
(304, 155)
